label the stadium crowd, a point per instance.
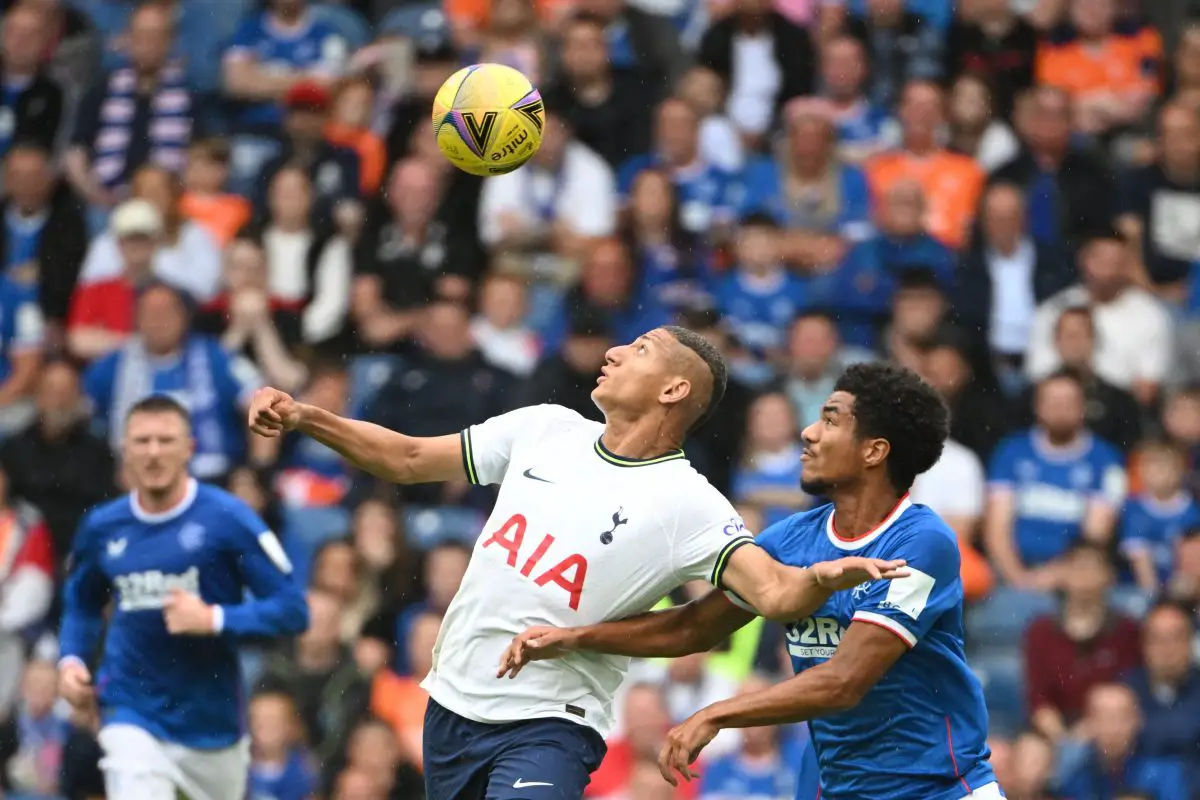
(200, 197)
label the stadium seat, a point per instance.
(348, 22)
(368, 374)
(428, 526)
(308, 529)
(1003, 679)
(998, 623)
(416, 21)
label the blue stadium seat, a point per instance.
(1003, 680)
(416, 21)
(308, 529)
(998, 623)
(348, 22)
(368, 374)
(429, 526)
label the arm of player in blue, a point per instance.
(84, 597)
(278, 607)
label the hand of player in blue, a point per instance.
(539, 643)
(683, 746)
(75, 685)
(846, 573)
(188, 615)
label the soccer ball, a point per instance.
(488, 119)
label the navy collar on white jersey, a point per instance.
(860, 542)
(150, 518)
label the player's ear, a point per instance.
(876, 451)
(677, 390)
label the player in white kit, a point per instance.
(593, 522)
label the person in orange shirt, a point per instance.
(953, 183)
(1111, 78)
(205, 200)
(399, 700)
(468, 18)
(350, 127)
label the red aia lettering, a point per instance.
(511, 535)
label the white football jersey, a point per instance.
(578, 536)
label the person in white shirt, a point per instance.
(1134, 335)
(593, 522)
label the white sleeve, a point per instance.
(1157, 345)
(501, 195)
(102, 262)
(487, 447)
(29, 327)
(707, 532)
(1040, 356)
(590, 204)
(326, 313)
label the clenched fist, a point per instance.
(273, 412)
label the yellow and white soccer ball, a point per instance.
(488, 119)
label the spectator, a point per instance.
(975, 129)
(604, 106)
(44, 231)
(72, 47)
(274, 50)
(332, 170)
(102, 313)
(1086, 645)
(512, 37)
(565, 195)
(979, 418)
(674, 264)
(280, 767)
(1111, 78)
(164, 357)
(56, 465)
(919, 309)
(859, 290)
(109, 146)
(1068, 191)
(434, 61)
(783, 64)
(763, 768)
(40, 732)
(1003, 277)
(205, 201)
(768, 477)
(720, 145)
(1159, 200)
(1110, 764)
(759, 298)
(399, 700)
(952, 182)
(499, 330)
(862, 127)
(319, 675)
(1133, 331)
(1051, 487)
(704, 190)
(816, 358)
(185, 254)
(27, 580)
(902, 46)
(641, 42)
(1032, 774)
(1184, 585)
(1155, 519)
(1112, 413)
(408, 254)
(1168, 689)
(349, 127)
(389, 570)
(644, 727)
(250, 322)
(822, 202)
(308, 265)
(567, 375)
(311, 475)
(996, 44)
(32, 103)
(374, 752)
(22, 340)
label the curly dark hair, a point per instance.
(893, 403)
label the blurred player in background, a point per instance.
(894, 710)
(592, 522)
(175, 557)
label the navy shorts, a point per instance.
(541, 759)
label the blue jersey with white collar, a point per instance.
(921, 732)
(1153, 526)
(180, 689)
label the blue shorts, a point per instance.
(541, 759)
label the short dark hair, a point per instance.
(159, 404)
(892, 403)
(715, 362)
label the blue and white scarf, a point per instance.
(170, 127)
(135, 381)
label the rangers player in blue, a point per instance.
(175, 558)
(894, 711)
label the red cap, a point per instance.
(308, 95)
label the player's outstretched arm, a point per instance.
(278, 607)
(381, 452)
(785, 594)
(694, 627)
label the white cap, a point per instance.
(136, 218)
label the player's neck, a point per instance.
(640, 439)
(157, 502)
(860, 510)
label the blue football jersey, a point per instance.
(181, 689)
(921, 732)
(760, 310)
(1153, 526)
(1052, 487)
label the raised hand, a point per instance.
(273, 412)
(846, 573)
(540, 643)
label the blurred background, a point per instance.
(200, 197)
